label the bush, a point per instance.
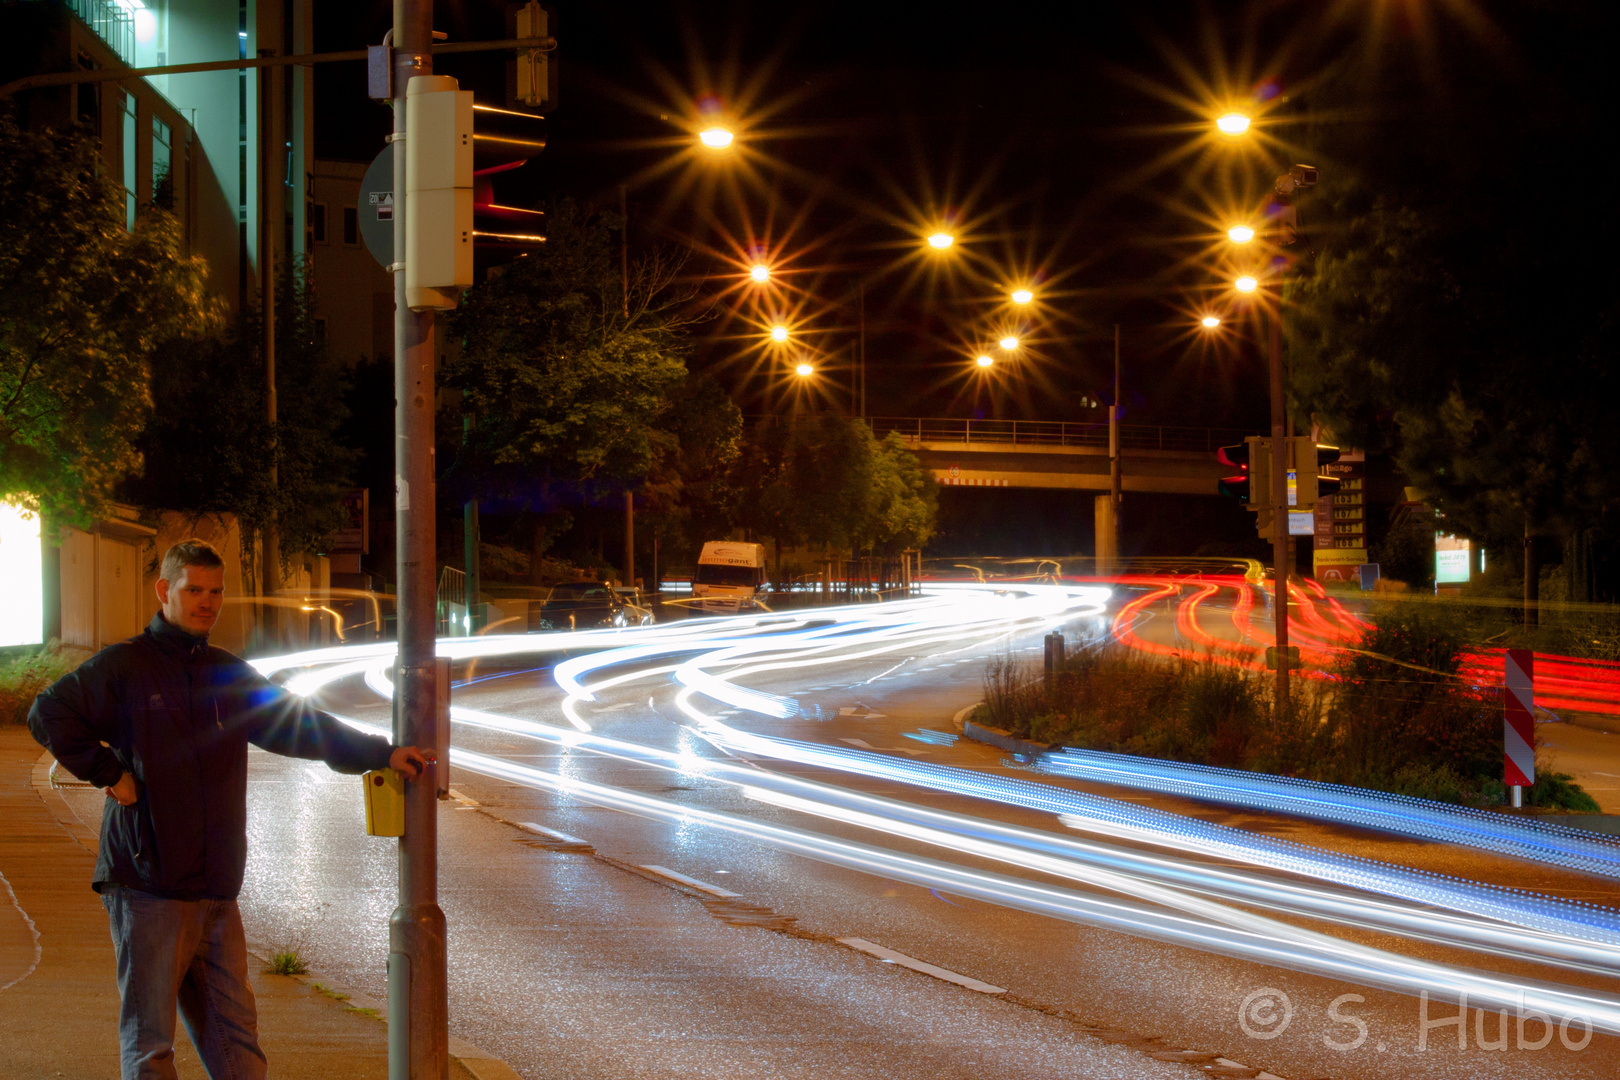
(1391, 714)
(1113, 699)
(22, 677)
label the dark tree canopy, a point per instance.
(563, 380)
(209, 443)
(1459, 309)
(85, 306)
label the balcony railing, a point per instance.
(992, 434)
(112, 22)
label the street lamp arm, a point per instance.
(101, 75)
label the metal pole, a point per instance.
(629, 537)
(862, 312)
(418, 1015)
(471, 537)
(270, 213)
(624, 248)
(1279, 502)
(1115, 464)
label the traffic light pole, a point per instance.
(1280, 539)
(272, 153)
(418, 1013)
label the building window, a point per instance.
(317, 222)
(128, 124)
(162, 164)
(320, 329)
(351, 225)
(89, 96)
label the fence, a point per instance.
(1047, 433)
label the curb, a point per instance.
(1005, 740)
(480, 1063)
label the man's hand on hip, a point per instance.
(409, 761)
(124, 791)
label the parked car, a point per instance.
(585, 605)
(641, 611)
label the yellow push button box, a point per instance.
(385, 803)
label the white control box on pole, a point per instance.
(438, 192)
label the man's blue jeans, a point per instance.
(192, 953)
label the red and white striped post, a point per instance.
(1519, 724)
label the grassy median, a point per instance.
(1391, 714)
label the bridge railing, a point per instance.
(1039, 433)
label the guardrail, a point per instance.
(1046, 433)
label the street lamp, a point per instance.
(1245, 284)
(804, 371)
(1210, 322)
(760, 272)
(1232, 124)
(779, 332)
(1240, 234)
(1009, 343)
(715, 138)
(1022, 296)
(984, 361)
(941, 240)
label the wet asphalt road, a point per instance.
(577, 964)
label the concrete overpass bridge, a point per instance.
(1073, 456)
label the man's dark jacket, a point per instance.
(178, 714)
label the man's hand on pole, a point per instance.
(124, 791)
(409, 761)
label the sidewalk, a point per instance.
(60, 1019)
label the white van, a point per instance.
(729, 570)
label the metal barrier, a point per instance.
(1047, 433)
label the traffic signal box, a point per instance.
(1252, 485)
(1310, 458)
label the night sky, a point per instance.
(862, 125)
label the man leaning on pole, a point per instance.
(162, 724)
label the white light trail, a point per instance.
(707, 656)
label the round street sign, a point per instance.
(376, 208)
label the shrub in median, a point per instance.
(1391, 713)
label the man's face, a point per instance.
(193, 599)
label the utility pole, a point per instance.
(861, 317)
(418, 1012)
(1107, 507)
(271, 155)
(624, 286)
(1280, 540)
(470, 537)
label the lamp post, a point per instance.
(1281, 217)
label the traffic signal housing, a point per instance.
(1310, 458)
(503, 140)
(531, 75)
(1252, 485)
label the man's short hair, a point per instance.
(193, 552)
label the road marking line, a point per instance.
(692, 882)
(550, 834)
(460, 798)
(862, 945)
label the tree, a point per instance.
(822, 480)
(1459, 313)
(558, 374)
(208, 445)
(903, 510)
(570, 379)
(85, 305)
(691, 496)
